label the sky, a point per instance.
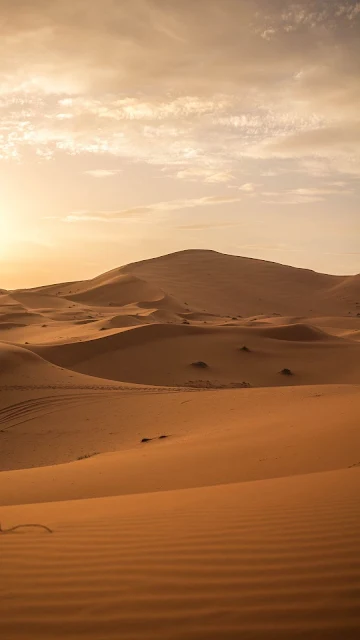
(134, 128)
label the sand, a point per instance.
(185, 501)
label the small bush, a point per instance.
(286, 372)
(200, 364)
(88, 455)
(245, 348)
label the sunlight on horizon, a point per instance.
(7, 236)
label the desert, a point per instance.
(186, 431)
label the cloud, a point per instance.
(306, 195)
(139, 212)
(318, 191)
(337, 183)
(196, 174)
(268, 34)
(344, 138)
(218, 178)
(269, 247)
(125, 47)
(325, 149)
(140, 80)
(288, 199)
(102, 173)
(207, 225)
(249, 187)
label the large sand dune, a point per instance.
(194, 489)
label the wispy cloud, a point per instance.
(207, 225)
(288, 199)
(157, 207)
(102, 173)
(320, 191)
(249, 187)
(201, 174)
(305, 195)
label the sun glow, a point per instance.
(7, 235)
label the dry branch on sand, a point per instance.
(21, 526)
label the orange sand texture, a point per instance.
(244, 521)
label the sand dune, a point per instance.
(247, 286)
(20, 367)
(161, 354)
(188, 428)
(201, 287)
(242, 285)
(295, 332)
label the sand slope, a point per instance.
(213, 437)
(272, 559)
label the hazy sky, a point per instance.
(132, 128)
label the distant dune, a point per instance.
(218, 284)
(188, 428)
(191, 306)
